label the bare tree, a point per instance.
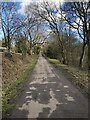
(10, 22)
(32, 25)
(77, 17)
(88, 35)
(46, 12)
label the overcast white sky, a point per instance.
(27, 2)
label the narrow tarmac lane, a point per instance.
(48, 94)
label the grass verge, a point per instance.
(14, 88)
(77, 76)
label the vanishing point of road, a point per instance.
(49, 94)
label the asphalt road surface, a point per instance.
(48, 94)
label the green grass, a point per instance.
(13, 89)
(80, 77)
(54, 61)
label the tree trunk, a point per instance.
(63, 56)
(30, 42)
(89, 56)
(82, 54)
(88, 39)
(61, 50)
(4, 35)
(9, 43)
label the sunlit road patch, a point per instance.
(48, 94)
(35, 107)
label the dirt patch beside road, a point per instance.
(15, 73)
(11, 68)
